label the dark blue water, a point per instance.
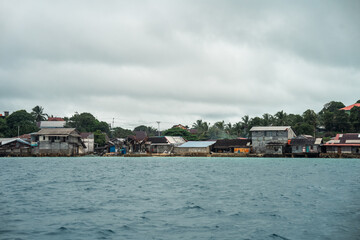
(179, 198)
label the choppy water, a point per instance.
(179, 198)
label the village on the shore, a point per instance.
(55, 138)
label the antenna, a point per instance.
(158, 122)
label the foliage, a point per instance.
(150, 131)
(202, 129)
(355, 118)
(121, 132)
(86, 122)
(3, 128)
(180, 132)
(332, 107)
(99, 138)
(303, 128)
(38, 113)
(21, 120)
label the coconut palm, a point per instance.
(38, 113)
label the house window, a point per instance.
(44, 138)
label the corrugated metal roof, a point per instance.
(270, 128)
(318, 141)
(52, 124)
(13, 140)
(56, 131)
(197, 144)
(175, 139)
(352, 141)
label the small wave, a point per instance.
(276, 236)
(125, 227)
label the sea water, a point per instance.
(179, 198)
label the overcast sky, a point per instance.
(178, 61)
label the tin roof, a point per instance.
(13, 140)
(52, 124)
(58, 131)
(197, 144)
(175, 139)
(345, 139)
(270, 128)
(227, 143)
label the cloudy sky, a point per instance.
(178, 61)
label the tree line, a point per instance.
(329, 121)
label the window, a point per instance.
(44, 138)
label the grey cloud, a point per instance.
(178, 60)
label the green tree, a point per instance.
(293, 119)
(331, 107)
(355, 119)
(38, 113)
(150, 131)
(180, 132)
(280, 118)
(303, 129)
(202, 129)
(86, 122)
(237, 129)
(121, 132)
(20, 120)
(341, 121)
(310, 117)
(3, 128)
(267, 119)
(99, 138)
(217, 131)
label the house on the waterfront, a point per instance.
(57, 142)
(89, 142)
(240, 145)
(271, 140)
(194, 148)
(305, 145)
(137, 143)
(346, 143)
(164, 144)
(14, 147)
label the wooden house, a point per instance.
(14, 147)
(347, 143)
(271, 139)
(242, 145)
(137, 143)
(164, 144)
(89, 141)
(57, 142)
(194, 147)
(305, 145)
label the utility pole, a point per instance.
(113, 124)
(18, 131)
(158, 122)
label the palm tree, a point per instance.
(38, 113)
(281, 118)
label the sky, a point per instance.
(139, 62)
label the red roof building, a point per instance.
(348, 108)
(55, 119)
(344, 143)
